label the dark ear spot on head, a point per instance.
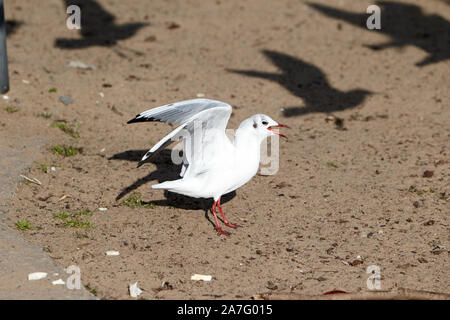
(255, 125)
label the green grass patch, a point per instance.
(11, 109)
(85, 213)
(74, 220)
(52, 90)
(23, 225)
(62, 215)
(420, 192)
(91, 290)
(81, 235)
(66, 151)
(45, 115)
(43, 167)
(135, 201)
(77, 223)
(66, 128)
(331, 164)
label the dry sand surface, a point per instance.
(363, 178)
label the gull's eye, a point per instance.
(265, 123)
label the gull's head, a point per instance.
(264, 126)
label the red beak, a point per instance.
(271, 128)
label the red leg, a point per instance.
(225, 221)
(218, 228)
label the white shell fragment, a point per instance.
(37, 275)
(102, 209)
(112, 253)
(134, 290)
(201, 277)
(59, 281)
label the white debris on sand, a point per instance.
(59, 281)
(102, 209)
(80, 65)
(37, 275)
(134, 290)
(201, 277)
(112, 253)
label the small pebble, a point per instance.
(271, 285)
(112, 253)
(65, 100)
(428, 174)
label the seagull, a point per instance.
(212, 164)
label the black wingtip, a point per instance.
(139, 118)
(136, 119)
(140, 163)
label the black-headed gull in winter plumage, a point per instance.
(212, 164)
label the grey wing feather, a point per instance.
(179, 112)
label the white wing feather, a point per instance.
(205, 122)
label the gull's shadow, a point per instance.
(309, 83)
(98, 27)
(165, 170)
(11, 26)
(406, 24)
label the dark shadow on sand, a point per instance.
(98, 27)
(12, 26)
(406, 24)
(165, 170)
(309, 83)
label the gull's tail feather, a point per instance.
(167, 185)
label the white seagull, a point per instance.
(212, 164)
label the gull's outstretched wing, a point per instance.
(202, 127)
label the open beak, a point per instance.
(271, 128)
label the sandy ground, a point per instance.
(350, 192)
